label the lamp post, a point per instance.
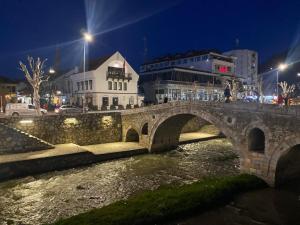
(281, 67)
(87, 37)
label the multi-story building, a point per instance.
(246, 65)
(200, 60)
(194, 75)
(108, 83)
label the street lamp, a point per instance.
(51, 71)
(281, 67)
(87, 37)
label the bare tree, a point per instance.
(286, 89)
(35, 79)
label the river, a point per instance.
(45, 198)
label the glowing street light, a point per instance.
(51, 71)
(281, 67)
(87, 37)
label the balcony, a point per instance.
(118, 74)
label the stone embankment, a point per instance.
(16, 141)
(81, 129)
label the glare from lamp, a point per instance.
(88, 37)
(282, 66)
(51, 71)
(26, 121)
(71, 121)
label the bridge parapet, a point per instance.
(235, 106)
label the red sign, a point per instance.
(223, 69)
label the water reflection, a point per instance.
(42, 199)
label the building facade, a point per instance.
(246, 65)
(108, 83)
(200, 60)
(176, 83)
(197, 75)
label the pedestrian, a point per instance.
(286, 100)
(227, 94)
(280, 100)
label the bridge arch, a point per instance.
(145, 129)
(288, 166)
(282, 161)
(256, 140)
(164, 133)
(132, 135)
(257, 137)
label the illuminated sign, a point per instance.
(223, 69)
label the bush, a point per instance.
(128, 106)
(120, 107)
(136, 106)
(168, 202)
(112, 107)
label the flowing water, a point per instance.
(48, 197)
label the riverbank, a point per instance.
(65, 156)
(45, 198)
(168, 203)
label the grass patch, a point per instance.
(168, 202)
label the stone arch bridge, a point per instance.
(266, 137)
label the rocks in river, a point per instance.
(80, 187)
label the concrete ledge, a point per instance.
(47, 161)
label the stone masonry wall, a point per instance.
(82, 129)
(14, 141)
(193, 125)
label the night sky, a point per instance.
(40, 27)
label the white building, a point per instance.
(246, 65)
(207, 61)
(108, 83)
(199, 75)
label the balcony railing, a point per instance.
(118, 75)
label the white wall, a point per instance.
(100, 87)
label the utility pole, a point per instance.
(145, 49)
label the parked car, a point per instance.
(22, 109)
(68, 109)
